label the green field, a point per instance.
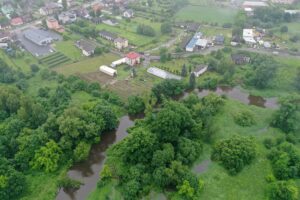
(86, 65)
(206, 14)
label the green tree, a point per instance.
(192, 81)
(136, 105)
(283, 190)
(288, 116)
(81, 152)
(166, 28)
(47, 157)
(184, 71)
(234, 153)
(186, 190)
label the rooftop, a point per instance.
(86, 45)
(133, 55)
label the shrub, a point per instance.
(244, 118)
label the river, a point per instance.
(88, 171)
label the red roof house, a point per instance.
(133, 58)
(17, 21)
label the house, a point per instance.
(287, 2)
(248, 36)
(254, 4)
(110, 22)
(190, 47)
(202, 43)
(162, 73)
(97, 7)
(108, 35)
(201, 69)
(17, 21)
(50, 8)
(83, 13)
(121, 43)
(7, 10)
(67, 17)
(240, 59)
(52, 23)
(292, 12)
(3, 45)
(5, 36)
(38, 37)
(219, 40)
(128, 14)
(133, 59)
(87, 47)
(107, 70)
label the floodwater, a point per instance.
(88, 171)
(242, 96)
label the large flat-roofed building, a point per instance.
(38, 37)
(254, 4)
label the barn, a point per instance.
(107, 70)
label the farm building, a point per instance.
(128, 13)
(38, 37)
(121, 43)
(108, 35)
(240, 59)
(118, 62)
(133, 59)
(162, 73)
(201, 43)
(87, 47)
(201, 69)
(107, 70)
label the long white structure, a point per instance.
(107, 70)
(162, 73)
(118, 62)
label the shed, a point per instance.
(107, 70)
(201, 69)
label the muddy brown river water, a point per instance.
(88, 171)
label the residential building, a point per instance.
(121, 43)
(219, 40)
(107, 70)
(50, 8)
(17, 21)
(240, 59)
(133, 59)
(87, 47)
(202, 43)
(38, 37)
(128, 13)
(52, 23)
(201, 69)
(67, 17)
(254, 4)
(110, 22)
(108, 35)
(248, 36)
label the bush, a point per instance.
(244, 118)
(68, 183)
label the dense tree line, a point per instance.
(160, 149)
(44, 131)
(145, 30)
